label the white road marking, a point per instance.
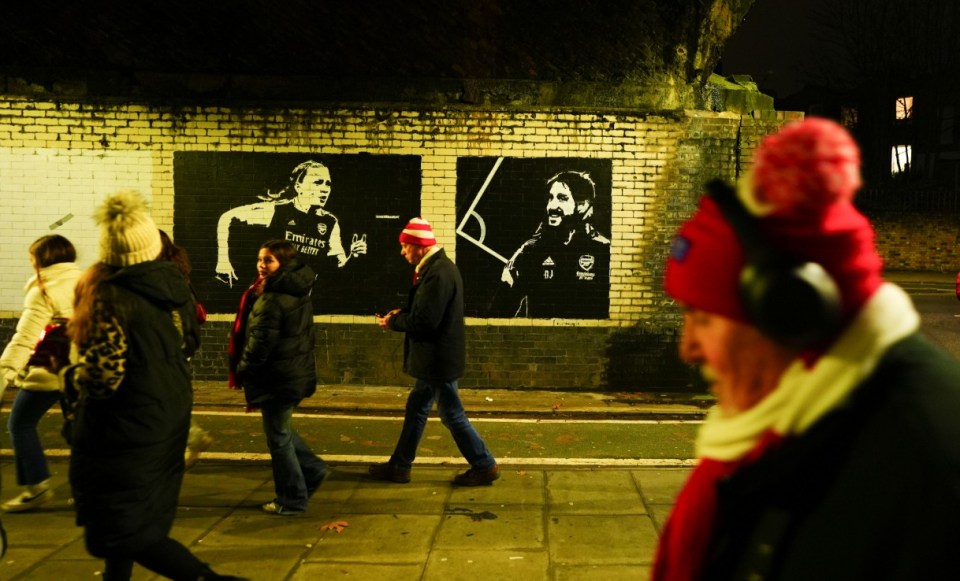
(452, 462)
(476, 420)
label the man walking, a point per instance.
(434, 352)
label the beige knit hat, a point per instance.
(128, 235)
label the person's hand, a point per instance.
(225, 273)
(358, 245)
(384, 320)
(55, 364)
(507, 276)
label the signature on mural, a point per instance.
(296, 213)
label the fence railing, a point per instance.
(908, 200)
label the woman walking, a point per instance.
(133, 399)
(49, 295)
(272, 359)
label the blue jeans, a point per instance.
(419, 403)
(28, 407)
(297, 471)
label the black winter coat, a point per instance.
(278, 362)
(126, 465)
(869, 492)
(434, 348)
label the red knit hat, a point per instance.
(419, 232)
(800, 190)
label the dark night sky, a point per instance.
(770, 46)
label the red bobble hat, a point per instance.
(801, 192)
(419, 232)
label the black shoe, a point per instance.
(390, 473)
(474, 477)
(3, 541)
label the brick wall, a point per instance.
(923, 242)
(58, 159)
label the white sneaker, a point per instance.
(28, 501)
(196, 447)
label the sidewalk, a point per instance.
(390, 400)
(923, 280)
(532, 524)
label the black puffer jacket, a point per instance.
(126, 465)
(278, 360)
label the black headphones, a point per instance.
(794, 302)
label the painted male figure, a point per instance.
(834, 450)
(434, 352)
(564, 269)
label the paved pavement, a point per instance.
(924, 282)
(537, 522)
(532, 524)
(529, 403)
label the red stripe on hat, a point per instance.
(418, 231)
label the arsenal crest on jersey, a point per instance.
(587, 261)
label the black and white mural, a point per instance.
(534, 236)
(344, 213)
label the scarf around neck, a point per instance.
(803, 395)
(423, 261)
(238, 333)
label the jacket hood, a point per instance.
(157, 280)
(295, 279)
(54, 273)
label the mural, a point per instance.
(295, 213)
(538, 233)
(342, 211)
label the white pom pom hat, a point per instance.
(128, 235)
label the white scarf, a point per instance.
(804, 395)
(433, 250)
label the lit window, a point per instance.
(900, 158)
(904, 107)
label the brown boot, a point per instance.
(390, 473)
(474, 477)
